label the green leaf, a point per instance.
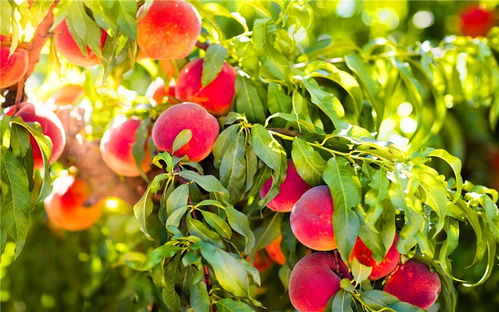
(248, 101)
(200, 229)
(377, 299)
(217, 223)
(154, 257)
(268, 231)
(177, 199)
(371, 86)
(233, 165)
(277, 100)
(342, 302)
(175, 217)
(182, 138)
(239, 222)
(404, 307)
(455, 164)
(224, 139)
(230, 305)
(212, 63)
(138, 150)
(344, 185)
(327, 102)
(229, 271)
(16, 203)
(360, 272)
(309, 163)
(199, 299)
(143, 208)
(208, 182)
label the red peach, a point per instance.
(311, 219)
(51, 127)
(314, 280)
(414, 283)
(275, 252)
(291, 189)
(381, 269)
(66, 45)
(168, 30)
(13, 67)
(158, 92)
(116, 148)
(262, 261)
(203, 126)
(216, 97)
(66, 206)
(68, 94)
(476, 21)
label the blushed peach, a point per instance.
(312, 219)
(203, 126)
(381, 269)
(314, 280)
(291, 189)
(274, 251)
(68, 94)
(476, 21)
(159, 93)
(66, 45)
(66, 206)
(116, 148)
(51, 127)
(13, 67)
(414, 283)
(168, 30)
(216, 97)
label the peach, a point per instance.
(291, 189)
(158, 92)
(203, 126)
(414, 283)
(116, 148)
(68, 94)
(262, 261)
(13, 67)
(66, 45)
(314, 280)
(476, 21)
(274, 251)
(312, 219)
(66, 207)
(168, 30)
(381, 269)
(51, 127)
(170, 67)
(216, 97)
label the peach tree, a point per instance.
(172, 155)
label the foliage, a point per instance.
(369, 120)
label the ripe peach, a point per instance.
(476, 21)
(13, 68)
(66, 205)
(204, 128)
(116, 148)
(216, 97)
(275, 252)
(291, 189)
(311, 219)
(51, 127)
(262, 261)
(314, 280)
(66, 45)
(68, 94)
(168, 30)
(170, 67)
(381, 269)
(158, 92)
(414, 283)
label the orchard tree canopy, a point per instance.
(173, 155)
